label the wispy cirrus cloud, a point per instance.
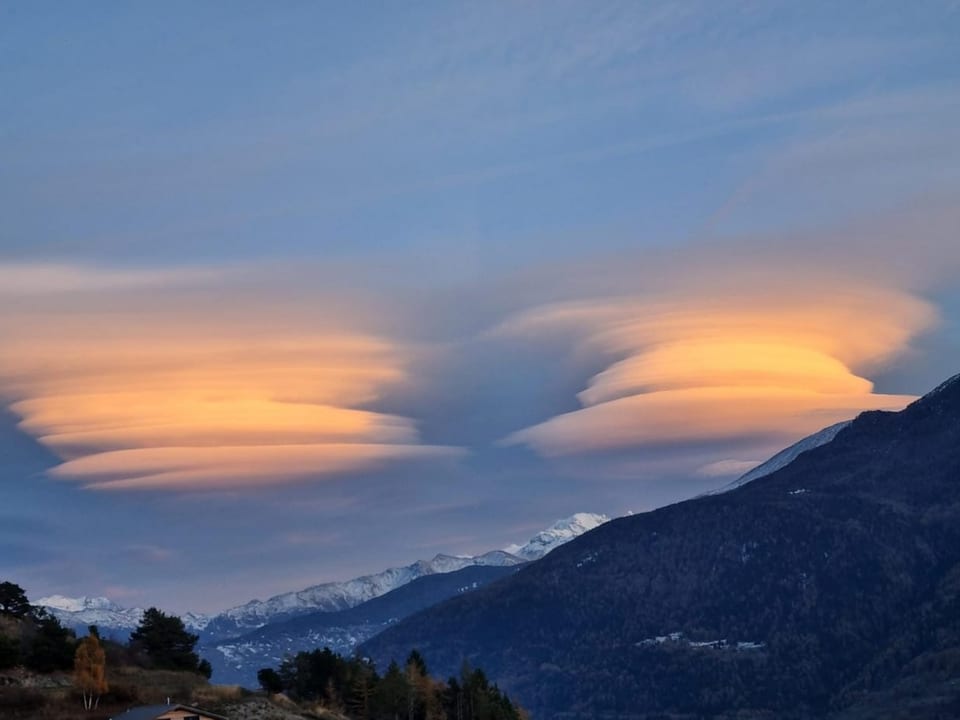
(41, 278)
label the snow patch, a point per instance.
(587, 559)
(79, 604)
(785, 457)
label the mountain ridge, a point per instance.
(237, 660)
(785, 456)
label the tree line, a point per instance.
(353, 687)
(33, 638)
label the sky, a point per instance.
(293, 292)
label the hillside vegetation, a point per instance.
(47, 673)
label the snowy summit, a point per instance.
(562, 531)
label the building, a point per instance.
(173, 711)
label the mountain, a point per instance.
(236, 661)
(112, 620)
(829, 587)
(335, 596)
(560, 532)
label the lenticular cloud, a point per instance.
(698, 367)
(149, 397)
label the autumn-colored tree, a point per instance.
(89, 671)
(423, 702)
(414, 674)
(429, 692)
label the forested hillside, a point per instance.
(808, 592)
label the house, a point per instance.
(167, 712)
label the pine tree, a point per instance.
(361, 694)
(52, 645)
(89, 671)
(13, 600)
(270, 680)
(166, 641)
(392, 693)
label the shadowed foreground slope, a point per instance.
(805, 593)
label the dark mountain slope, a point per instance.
(237, 660)
(791, 596)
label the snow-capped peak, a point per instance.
(79, 604)
(196, 621)
(562, 531)
(112, 619)
(81, 612)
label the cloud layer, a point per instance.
(192, 381)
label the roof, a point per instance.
(152, 712)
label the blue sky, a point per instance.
(473, 265)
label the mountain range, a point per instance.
(116, 621)
(113, 620)
(236, 661)
(828, 587)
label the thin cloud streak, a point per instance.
(188, 468)
(33, 279)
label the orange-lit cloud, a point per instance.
(779, 359)
(226, 466)
(194, 382)
(134, 393)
